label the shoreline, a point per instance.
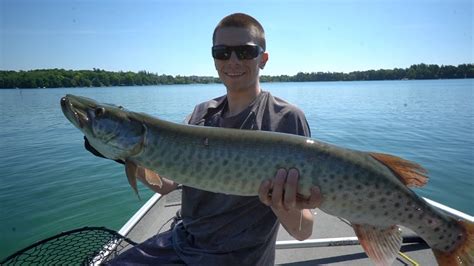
(216, 83)
(61, 78)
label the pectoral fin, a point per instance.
(131, 169)
(150, 176)
(380, 244)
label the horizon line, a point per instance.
(195, 75)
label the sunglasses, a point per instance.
(243, 52)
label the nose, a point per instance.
(233, 57)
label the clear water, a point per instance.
(49, 183)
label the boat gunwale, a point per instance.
(287, 244)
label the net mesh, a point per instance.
(84, 246)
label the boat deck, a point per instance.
(333, 240)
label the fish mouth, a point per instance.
(73, 114)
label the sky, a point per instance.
(174, 37)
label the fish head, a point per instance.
(110, 129)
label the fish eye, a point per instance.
(99, 111)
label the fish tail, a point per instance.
(463, 254)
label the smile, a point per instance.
(235, 74)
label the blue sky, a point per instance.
(174, 37)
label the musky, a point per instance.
(174, 37)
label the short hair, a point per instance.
(241, 20)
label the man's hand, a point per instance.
(281, 193)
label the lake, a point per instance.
(49, 183)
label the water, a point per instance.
(49, 183)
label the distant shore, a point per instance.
(60, 78)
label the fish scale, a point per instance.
(237, 178)
(367, 189)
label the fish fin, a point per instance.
(410, 173)
(152, 177)
(380, 244)
(131, 169)
(463, 254)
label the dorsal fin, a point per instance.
(410, 173)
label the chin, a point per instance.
(238, 86)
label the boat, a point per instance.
(333, 241)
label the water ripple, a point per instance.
(49, 183)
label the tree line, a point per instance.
(60, 78)
(419, 71)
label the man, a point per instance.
(218, 229)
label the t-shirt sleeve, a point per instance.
(196, 117)
(294, 122)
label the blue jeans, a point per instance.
(157, 250)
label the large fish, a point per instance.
(368, 189)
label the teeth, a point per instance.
(235, 74)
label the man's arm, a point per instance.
(280, 193)
(293, 212)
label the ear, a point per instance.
(263, 60)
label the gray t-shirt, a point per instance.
(219, 229)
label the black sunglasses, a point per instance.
(243, 52)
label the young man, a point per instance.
(218, 229)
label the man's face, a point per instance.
(238, 74)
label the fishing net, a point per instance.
(83, 246)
